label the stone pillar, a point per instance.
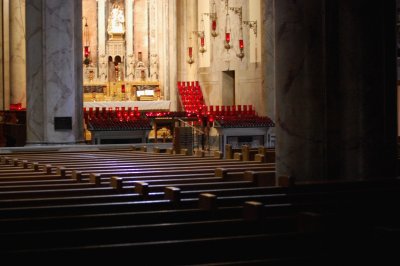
(335, 74)
(101, 31)
(2, 100)
(17, 53)
(192, 39)
(153, 40)
(5, 55)
(162, 48)
(172, 57)
(54, 72)
(130, 59)
(267, 33)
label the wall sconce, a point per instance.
(238, 11)
(190, 60)
(200, 34)
(213, 17)
(86, 50)
(202, 43)
(241, 44)
(227, 32)
(190, 52)
(252, 25)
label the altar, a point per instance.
(125, 72)
(117, 75)
(161, 105)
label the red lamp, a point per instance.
(190, 50)
(241, 44)
(214, 24)
(227, 37)
(227, 32)
(190, 60)
(86, 51)
(213, 17)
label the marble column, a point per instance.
(163, 33)
(267, 33)
(2, 100)
(5, 47)
(130, 59)
(54, 72)
(17, 53)
(192, 39)
(335, 76)
(154, 40)
(101, 31)
(172, 57)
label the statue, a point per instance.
(154, 67)
(140, 68)
(116, 21)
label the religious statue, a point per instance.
(140, 68)
(154, 67)
(116, 21)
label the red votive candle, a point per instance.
(241, 44)
(214, 24)
(227, 37)
(86, 51)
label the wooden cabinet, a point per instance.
(12, 128)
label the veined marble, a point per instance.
(335, 105)
(17, 53)
(54, 76)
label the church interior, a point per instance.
(212, 132)
(148, 64)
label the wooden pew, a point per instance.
(71, 185)
(199, 250)
(40, 177)
(70, 200)
(90, 190)
(141, 232)
(299, 198)
(216, 213)
(115, 218)
(181, 170)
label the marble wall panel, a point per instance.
(335, 89)
(54, 70)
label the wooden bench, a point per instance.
(72, 185)
(244, 153)
(299, 198)
(70, 200)
(141, 232)
(181, 170)
(91, 190)
(240, 210)
(198, 250)
(40, 177)
(114, 218)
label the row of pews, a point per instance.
(175, 209)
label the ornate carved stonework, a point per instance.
(115, 48)
(128, 48)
